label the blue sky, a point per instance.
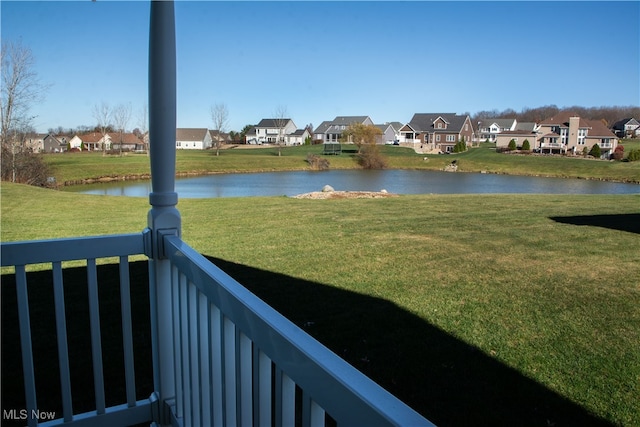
(387, 60)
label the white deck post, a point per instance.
(163, 218)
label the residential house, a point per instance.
(128, 141)
(268, 131)
(519, 136)
(390, 132)
(55, 144)
(92, 141)
(34, 142)
(298, 137)
(330, 132)
(218, 137)
(437, 131)
(193, 139)
(489, 128)
(568, 133)
(523, 131)
(626, 128)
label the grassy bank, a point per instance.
(474, 309)
(75, 167)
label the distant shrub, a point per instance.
(595, 151)
(634, 155)
(317, 163)
(512, 145)
(370, 158)
(526, 146)
(618, 153)
(460, 147)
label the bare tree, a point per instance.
(220, 119)
(121, 116)
(20, 89)
(102, 113)
(280, 119)
(143, 118)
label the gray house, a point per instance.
(331, 131)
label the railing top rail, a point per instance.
(56, 250)
(343, 391)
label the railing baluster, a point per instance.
(285, 400)
(217, 375)
(96, 341)
(312, 413)
(127, 334)
(194, 353)
(317, 415)
(204, 342)
(246, 381)
(63, 349)
(185, 347)
(229, 345)
(177, 340)
(25, 342)
(264, 389)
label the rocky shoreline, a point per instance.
(329, 193)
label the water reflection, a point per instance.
(394, 181)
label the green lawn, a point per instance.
(72, 167)
(473, 309)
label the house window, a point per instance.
(582, 134)
(451, 138)
(439, 125)
(437, 138)
(178, 144)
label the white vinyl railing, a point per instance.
(20, 255)
(239, 362)
(236, 361)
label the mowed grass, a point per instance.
(75, 167)
(464, 306)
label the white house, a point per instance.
(268, 131)
(92, 141)
(298, 137)
(193, 139)
(489, 128)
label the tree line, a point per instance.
(608, 115)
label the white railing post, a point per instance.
(163, 218)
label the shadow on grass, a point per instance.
(446, 380)
(622, 222)
(45, 348)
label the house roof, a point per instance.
(91, 137)
(272, 123)
(562, 119)
(347, 120)
(521, 132)
(620, 124)
(423, 122)
(127, 138)
(299, 132)
(191, 134)
(323, 127)
(599, 129)
(503, 123)
(525, 126)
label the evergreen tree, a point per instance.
(512, 145)
(595, 151)
(525, 145)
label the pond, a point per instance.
(394, 181)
